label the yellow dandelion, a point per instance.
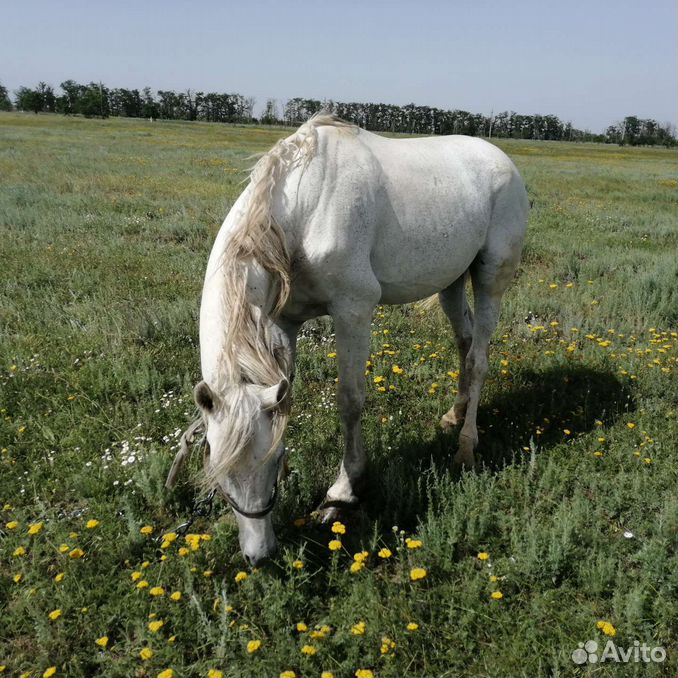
(364, 673)
(145, 564)
(17, 578)
(183, 551)
(497, 595)
(567, 431)
(287, 674)
(12, 525)
(63, 548)
(606, 628)
(359, 628)
(412, 626)
(253, 646)
(35, 528)
(397, 369)
(334, 545)
(414, 543)
(155, 626)
(91, 524)
(357, 566)
(385, 553)
(327, 674)
(361, 556)
(170, 537)
(19, 551)
(378, 380)
(417, 573)
(167, 673)
(208, 573)
(308, 650)
(494, 578)
(338, 528)
(76, 553)
(630, 424)
(102, 642)
(241, 576)
(301, 627)
(297, 564)
(59, 577)
(146, 529)
(483, 555)
(176, 596)
(54, 614)
(135, 576)
(332, 355)
(157, 591)
(215, 673)
(143, 584)
(146, 653)
(49, 672)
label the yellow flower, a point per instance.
(397, 369)
(298, 564)
(49, 672)
(327, 674)
(19, 551)
(241, 576)
(357, 566)
(308, 650)
(157, 591)
(567, 431)
(183, 551)
(387, 645)
(193, 540)
(494, 578)
(483, 555)
(145, 564)
(385, 553)
(208, 573)
(169, 536)
(332, 355)
(12, 525)
(358, 629)
(102, 642)
(59, 577)
(253, 646)
(412, 626)
(334, 545)
(417, 573)
(143, 584)
(338, 528)
(361, 556)
(35, 528)
(155, 626)
(63, 548)
(215, 673)
(287, 674)
(176, 596)
(17, 578)
(146, 653)
(606, 628)
(364, 673)
(54, 614)
(136, 576)
(76, 553)
(301, 627)
(378, 380)
(91, 524)
(630, 424)
(167, 673)
(146, 529)
(497, 595)
(413, 543)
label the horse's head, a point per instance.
(244, 425)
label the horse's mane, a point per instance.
(251, 353)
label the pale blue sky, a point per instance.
(588, 61)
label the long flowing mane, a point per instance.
(251, 353)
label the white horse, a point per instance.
(336, 220)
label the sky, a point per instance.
(590, 62)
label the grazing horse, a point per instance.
(336, 220)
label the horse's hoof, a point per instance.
(464, 457)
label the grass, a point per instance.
(106, 229)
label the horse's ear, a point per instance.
(273, 396)
(204, 398)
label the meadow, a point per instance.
(565, 533)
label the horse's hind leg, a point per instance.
(454, 304)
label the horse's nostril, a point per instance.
(255, 560)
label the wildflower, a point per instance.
(157, 591)
(146, 530)
(357, 566)
(497, 595)
(378, 380)
(143, 584)
(413, 543)
(49, 672)
(647, 460)
(297, 564)
(385, 553)
(334, 545)
(155, 626)
(91, 524)
(59, 577)
(412, 626)
(332, 355)
(630, 424)
(136, 576)
(76, 553)
(169, 536)
(358, 629)
(494, 578)
(253, 646)
(167, 673)
(145, 564)
(54, 614)
(183, 551)
(483, 555)
(301, 627)
(308, 650)
(19, 551)
(338, 528)
(193, 540)
(35, 528)
(215, 673)
(208, 573)
(17, 578)
(12, 525)
(287, 674)
(397, 369)
(387, 645)
(417, 573)
(327, 674)
(171, 639)
(102, 642)
(176, 596)
(364, 673)
(567, 431)
(606, 628)
(241, 576)
(598, 453)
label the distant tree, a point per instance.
(5, 102)
(270, 114)
(94, 101)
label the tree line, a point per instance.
(97, 100)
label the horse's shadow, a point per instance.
(533, 415)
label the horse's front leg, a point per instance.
(352, 331)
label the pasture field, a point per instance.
(565, 534)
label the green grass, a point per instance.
(106, 229)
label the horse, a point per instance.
(334, 221)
